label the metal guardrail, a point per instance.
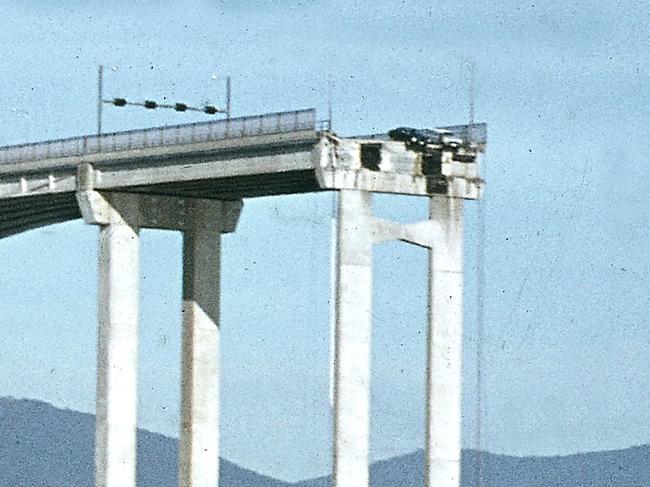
(267, 124)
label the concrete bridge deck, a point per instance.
(271, 154)
(228, 160)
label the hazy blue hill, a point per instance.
(618, 468)
(43, 446)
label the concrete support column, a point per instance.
(444, 350)
(353, 318)
(199, 435)
(115, 440)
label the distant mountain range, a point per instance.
(43, 446)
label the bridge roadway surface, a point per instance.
(228, 159)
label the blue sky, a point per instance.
(563, 88)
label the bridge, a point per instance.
(193, 178)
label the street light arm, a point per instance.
(100, 87)
(179, 107)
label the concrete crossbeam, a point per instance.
(160, 212)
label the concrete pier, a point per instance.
(116, 400)
(444, 345)
(199, 435)
(353, 318)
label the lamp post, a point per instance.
(24, 115)
(228, 94)
(228, 97)
(100, 83)
(100, 95)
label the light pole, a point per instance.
(100, 95)
(228, 97)
(24, 115)
(228, 94)
(100, 83)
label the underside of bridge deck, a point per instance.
(236, 187)
(21, 214)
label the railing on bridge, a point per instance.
(267, 124)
